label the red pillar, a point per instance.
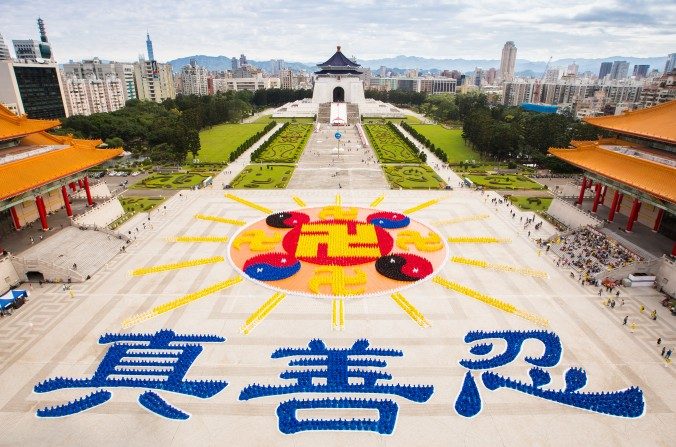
(64, 193)
(633, 215)
(72, 186)
(611, 213)
(619, 202)
(79, 183)
(89, 194)
(673, 249)
(15, 218)
(603, 194)
(43, 213)
(582, 188)
(597, 196)
(658, 219)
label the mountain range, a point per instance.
(399, 63)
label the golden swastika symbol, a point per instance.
(258, 240)
(338, 240)
(338, 280)
(338, 213)
(430, 243)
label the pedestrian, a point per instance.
(632, 326)
(622, 303)
(668, 354)
(642, 308)
(600, 292)
(624, 322)
(659, 341)
(617, 294)
(664, 349)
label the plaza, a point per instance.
(56, 334)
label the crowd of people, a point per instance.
(592, 252)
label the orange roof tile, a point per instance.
(30, 173)
(653, 178)
(654, 123)
(13, 126)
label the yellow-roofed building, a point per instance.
(38, 170)
(635, 167)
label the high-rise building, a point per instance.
(92, 95)
(194, 79)
(33, 50)
(45, 46)
(286, 79)
(508, 61)
(242, 60)
(27, 49)
(277, 66)
(605, 69)
(641, 71)
(4, 51)
(94, 68)
(149, 47)
(491, 76)
(619, 70)
(671, 63)
(154, 81)
(572, 69)
(32, 88)
(234, 64)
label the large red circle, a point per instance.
(338, 242)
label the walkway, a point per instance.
(322, 166)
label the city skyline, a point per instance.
(365, 29)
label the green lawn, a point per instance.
(409, 119)
(133, 205)
(388, 146)
(286, 146)
(531, 203)
(136, 204)
(505, 181)
(448, 140)
(172, 181)
(263, 176)
(220, 141)
(267, 118)
(413, 177)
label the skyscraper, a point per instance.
(26, 49)
(242, 61)
(507, 62)
(234, 64)
(149, 46)
(641, 71)
(605, 69)
(619, 70)
(671, 63)
(4, 51)
(45, 46)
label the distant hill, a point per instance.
(399, 63)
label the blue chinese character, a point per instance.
(344, 371)
(625, 403)
(157, 361)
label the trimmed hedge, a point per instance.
(251, 141)
(425, 141)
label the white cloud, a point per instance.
(307, 30)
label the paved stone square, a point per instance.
(56, 335)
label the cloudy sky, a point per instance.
(308, 30)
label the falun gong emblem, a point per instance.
(336, 251)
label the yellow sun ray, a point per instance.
(262, 312)
(199, 239)
(299, 201)
(461, 219)
(527, 271)
(176, 265)
(493, 302)
(377, 201)
(477, 240)
(224, 220)
(182, 301)
(422, 206)
(249, 204)
(410, 309)
(339, 200)
(338, 314)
